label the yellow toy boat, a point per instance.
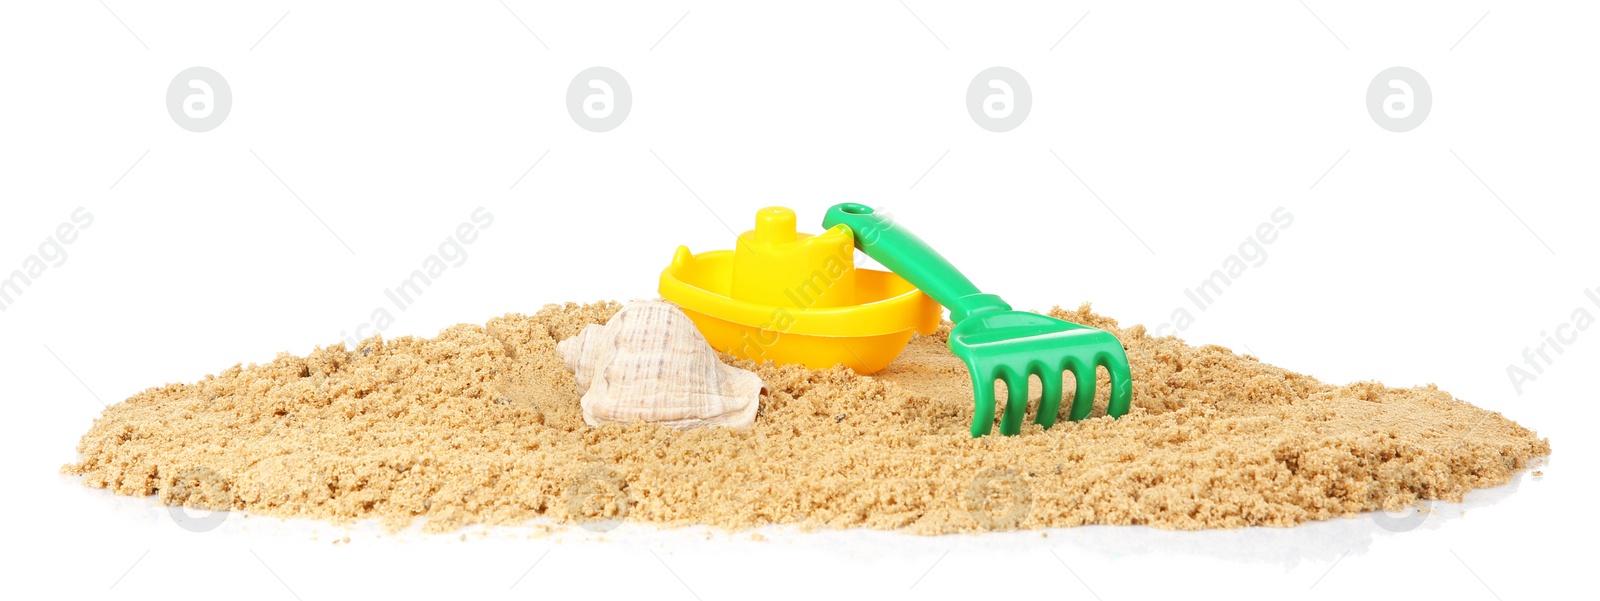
(795, 298)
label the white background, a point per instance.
(390, 122)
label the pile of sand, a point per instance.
(481, 425)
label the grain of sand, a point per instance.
(481, 425)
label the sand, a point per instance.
(481, 425)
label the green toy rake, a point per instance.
(996, 342)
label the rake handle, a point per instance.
(908, 256)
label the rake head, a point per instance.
(1013, 345)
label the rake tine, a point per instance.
(1016, 403)
(982, 403)
(1121, 385)
(1050, 400)
(1083, 401)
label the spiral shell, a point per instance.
(649, 362)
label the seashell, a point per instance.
(649, 362)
